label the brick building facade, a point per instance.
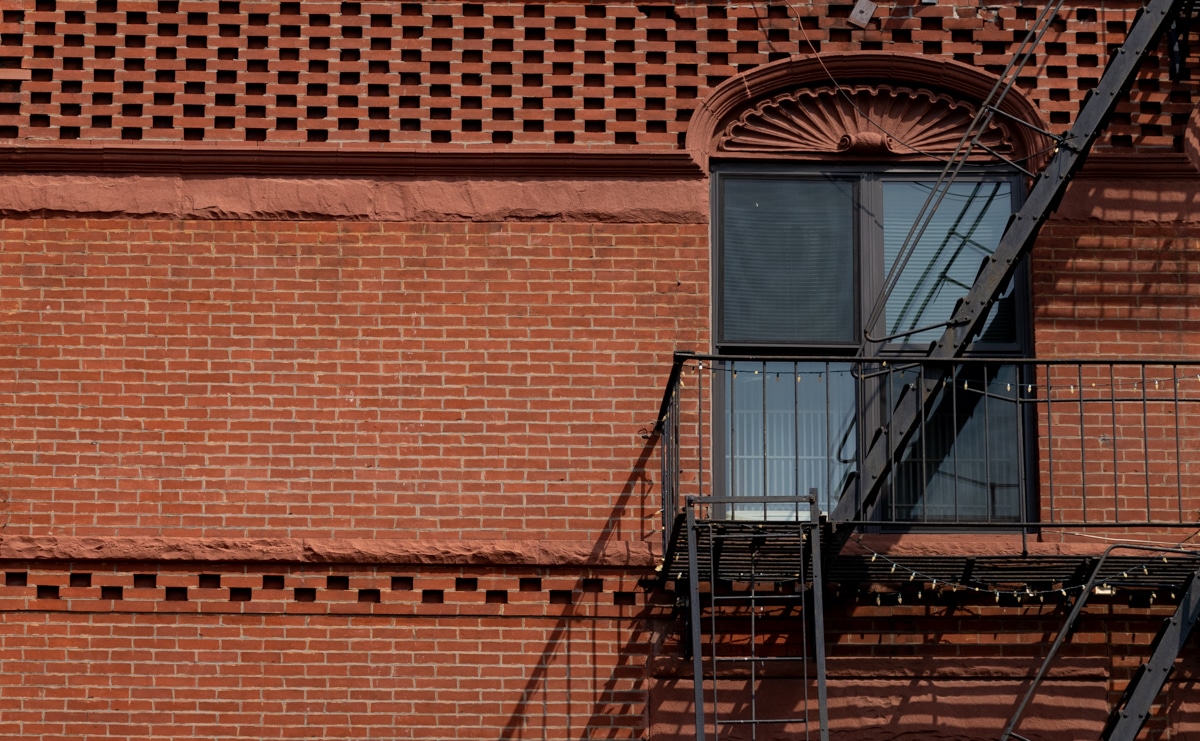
(333, 335)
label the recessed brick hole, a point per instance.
(402, 583)
(113, 593)
(273, 581)
(210, 581)
(496, 597)
(593, 585)
(531, 584)
(240, 594)
(624, 598)
(466, 584)
(337, 582)
(47, 591)
(145, 581)
(368, 595)
(433, 596)
(177, 594)
(306, 594)
(560, 596)
(16, 579)
(80, 579)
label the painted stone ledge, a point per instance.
(290, 550)
(1050, 542)
(672, 201)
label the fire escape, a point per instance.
(751, 571)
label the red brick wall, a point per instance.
(1117, 289)
(426, 654)
(316, 379)
(392, 651)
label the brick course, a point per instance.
(441, 75)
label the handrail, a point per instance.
(1087, 443)
(678, 358)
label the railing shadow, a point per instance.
(607, 703)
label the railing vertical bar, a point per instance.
(925, 463)
(796, 431)
(1082, 444)
(1178, 447)
(763, 395)
(700, 429)
(676, 458)
(818, 623)
(813, 516)
(1049, 436)
(1023, 506)
(670, 465)
(713, 642)
(1112, 384)
(694, 614)
(860, 404)
(954, 416)
(893, 474)
(1145, 443)
(729, 381)
(989, 489)
(753, 640)
(829, 443)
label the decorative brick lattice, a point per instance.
(220, 588)
(538, 74)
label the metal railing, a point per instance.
(1008, 442)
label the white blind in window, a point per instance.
(965, 228)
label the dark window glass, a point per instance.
(787, 262)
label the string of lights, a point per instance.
(1020, 593)
(1074, 387)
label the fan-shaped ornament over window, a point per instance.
(883, 106)
(859, 121)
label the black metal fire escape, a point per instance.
(1133, 709)
(919, 400)
(967, 320)
(710, 550)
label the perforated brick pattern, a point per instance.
(542, 74)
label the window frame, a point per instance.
(869, 273)
(868, 254)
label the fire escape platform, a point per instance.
(737, 551)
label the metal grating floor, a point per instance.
(775, 552)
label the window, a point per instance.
(802, 259)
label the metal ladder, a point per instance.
(757, 583)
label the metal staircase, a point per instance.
(918, 400)
(1130, 713)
